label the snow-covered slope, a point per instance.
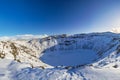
(93, 56)
(74, 50)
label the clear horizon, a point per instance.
(58, 16)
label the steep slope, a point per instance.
(20, 53)
(75, 50)
(94, 56)
(62, 50)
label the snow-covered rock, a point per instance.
(93, 56)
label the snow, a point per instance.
(93, 56)
(63, 74)
(8, 65)
(69, 58)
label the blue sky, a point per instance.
(58, 16)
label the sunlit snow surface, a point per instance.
(95, 57)
(10, 70)
(69, 58)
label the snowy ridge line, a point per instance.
(37, 51)
(93, 56)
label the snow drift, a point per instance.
(62, 57)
